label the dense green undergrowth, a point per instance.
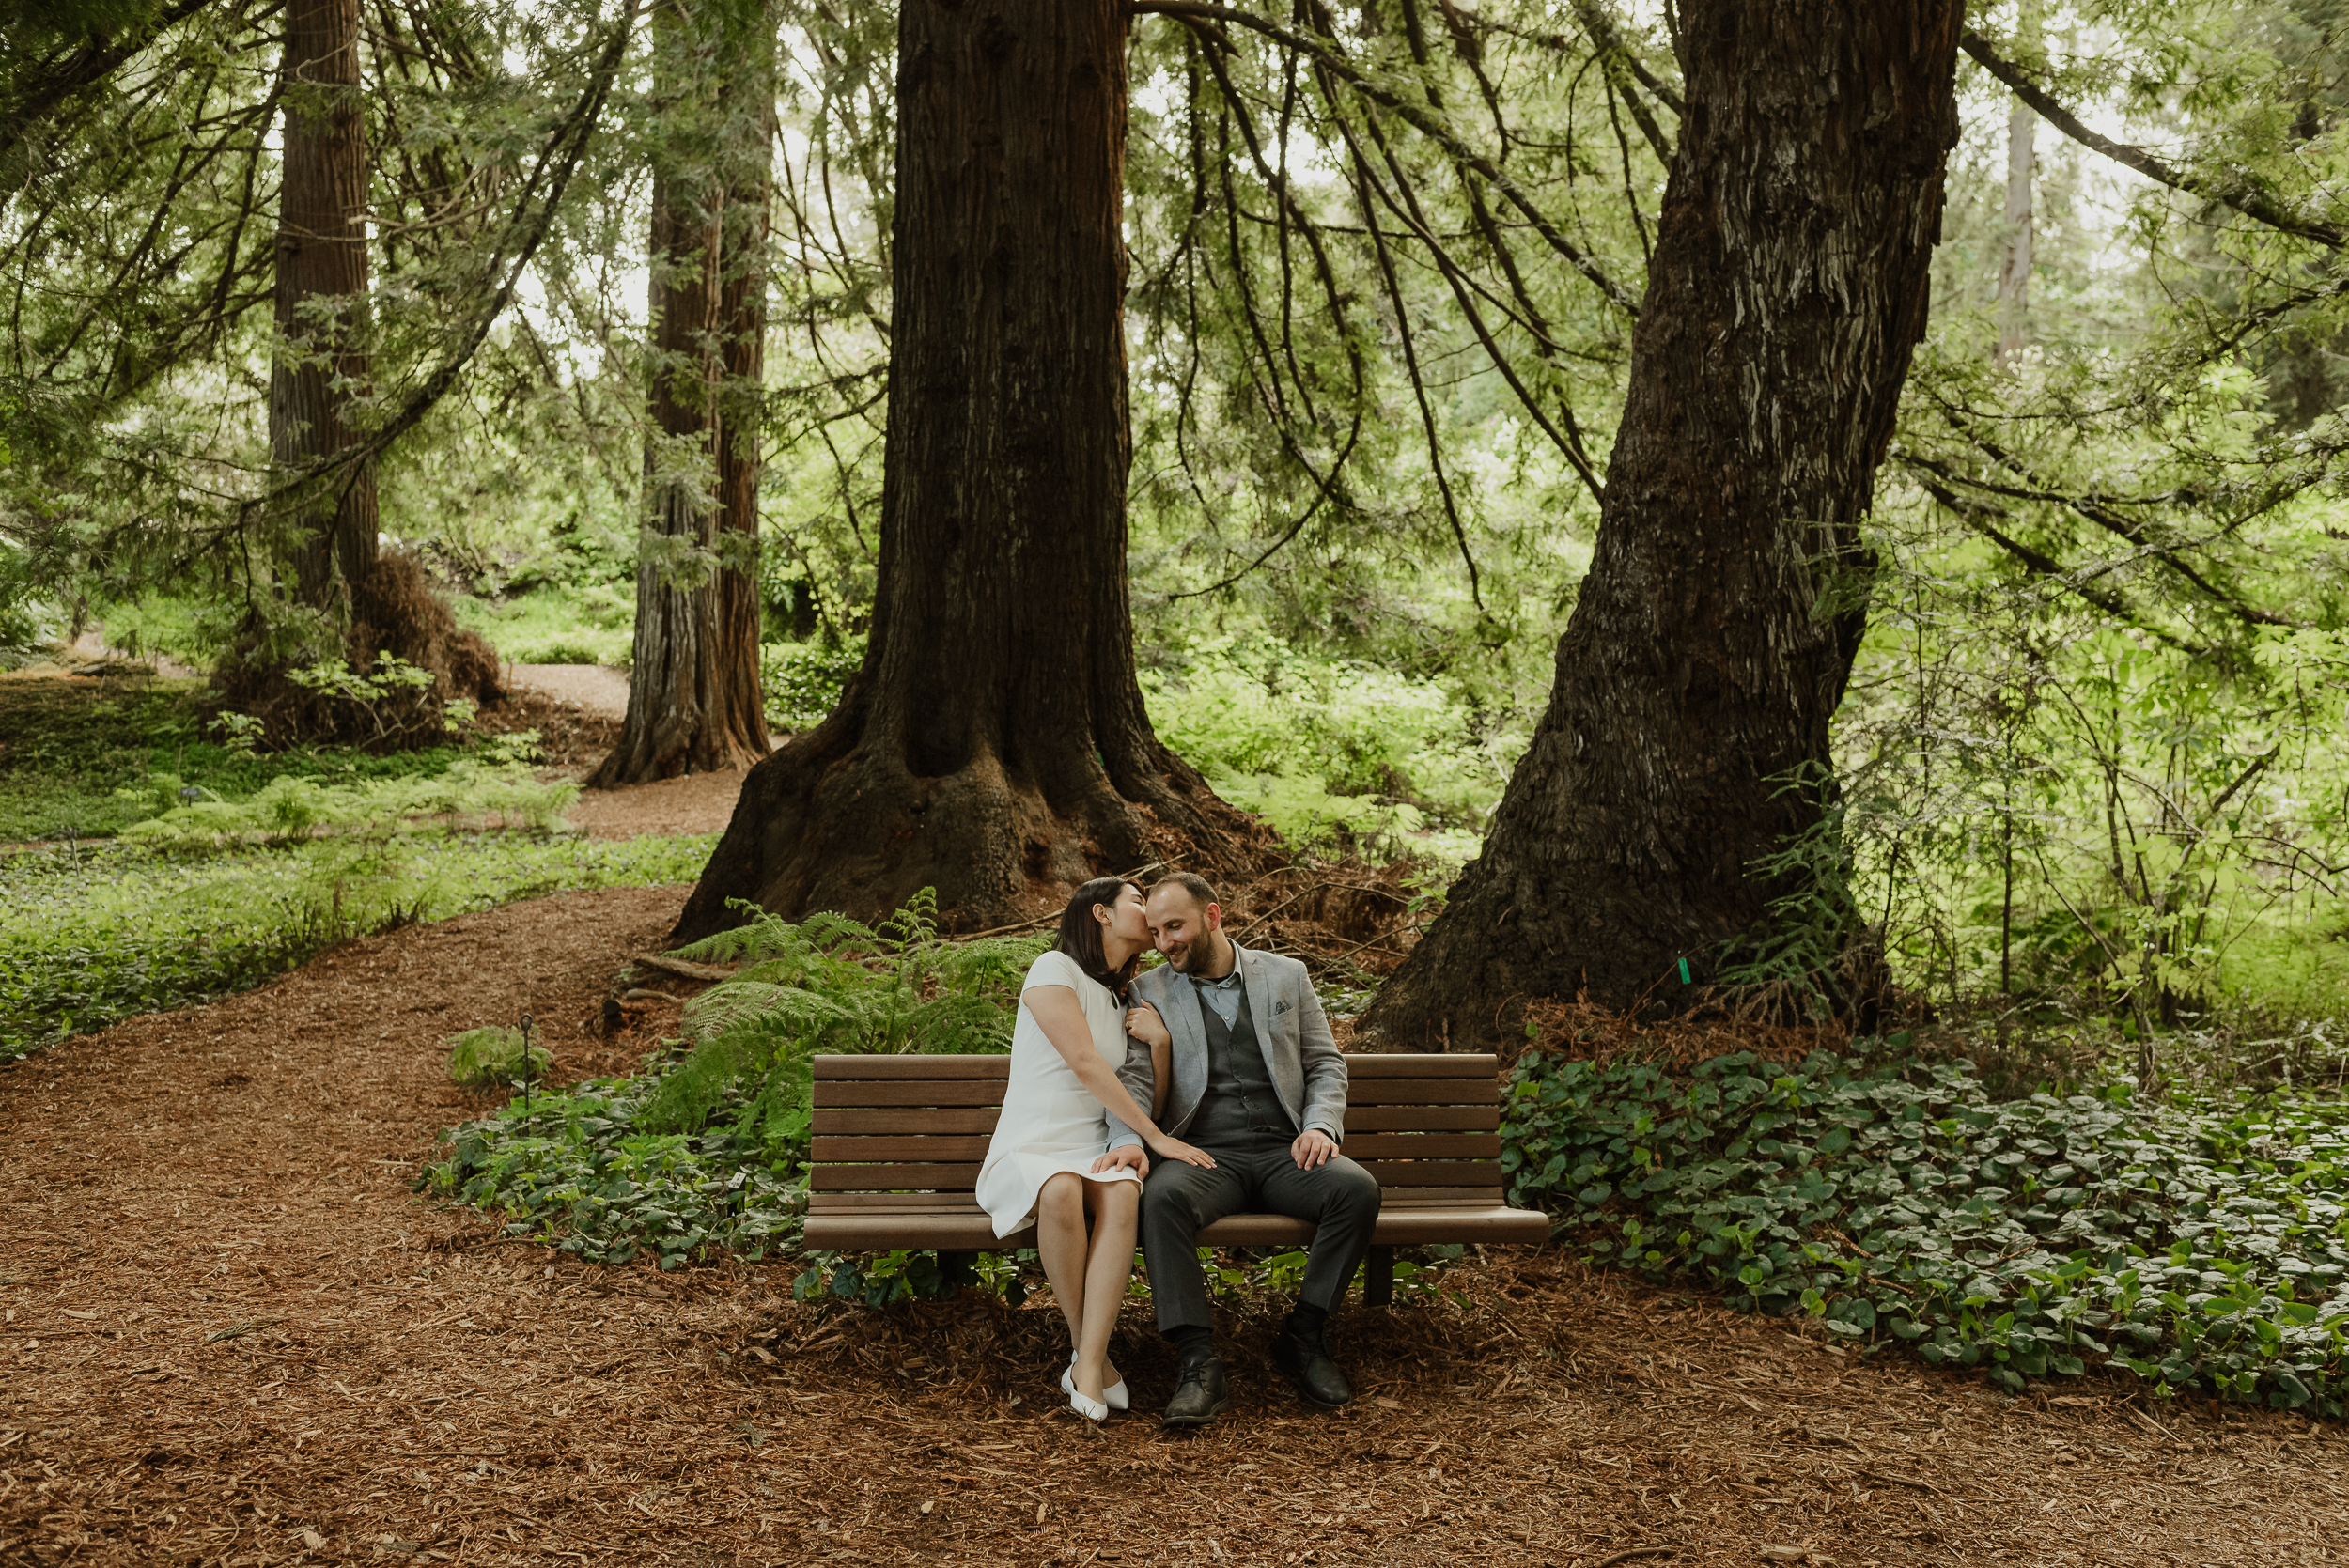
(583, 1171)
(89, 936)
(68, 756)
(588, 622)
(1335, 754)
(2202, 1246)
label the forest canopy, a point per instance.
(1385, 262)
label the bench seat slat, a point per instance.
(900, 1121)
(1422, 1145)
(1359, 1066)
(931, 1068)
(889, 1178)
(964, 1146)
(928, 1177)
(972, 1231)
(1423, 1091)
(1421, 1118)
(962, 1203)
(830, 1091)
(954, 1091)
(940, 1146)
(903, 1121)
(1365, 1065)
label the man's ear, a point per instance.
(1214, 914)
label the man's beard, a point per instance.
(1192, 956)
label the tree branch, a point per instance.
(62, 76)
(2241, 194)
(1418, 116)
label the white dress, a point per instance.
(1051, 1121)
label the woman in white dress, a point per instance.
(1050, 1157)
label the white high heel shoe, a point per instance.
(1114, 1396)
(1091, 1409)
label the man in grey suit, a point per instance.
(1259, 1085)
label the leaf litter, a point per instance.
(407, 1388)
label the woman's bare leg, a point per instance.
(1060, 1245)
(1109, 1266)
(1161, 1076)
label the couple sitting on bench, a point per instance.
(1220, 1064)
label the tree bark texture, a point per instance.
(694, 702)
(1711, 641)
(994, 745)
(321, 295)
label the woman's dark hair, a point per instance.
(1080, 934)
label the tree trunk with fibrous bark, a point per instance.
(693, 700)
(1713, 637)
(322, 276)
(994, 745)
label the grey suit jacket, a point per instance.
(1308, 1070)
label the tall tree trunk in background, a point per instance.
(321, 293)
(693, 699)
(1711, 641)
(994, 745)
(2014, 256)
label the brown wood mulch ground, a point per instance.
(233, 1336)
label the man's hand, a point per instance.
(1128, 1156)
(1311, 1149)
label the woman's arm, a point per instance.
(1062, 1017)
(1144, 1023)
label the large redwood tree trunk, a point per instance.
(322, 296)
(1713, 637)
(994, 745)
(694, 702)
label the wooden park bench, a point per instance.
(898, 1141)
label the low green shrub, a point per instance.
(577, 1170)
(2205, 1247)
(90, 937)
(484, 1058)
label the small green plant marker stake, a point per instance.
(525, 1069)
(1684, 971)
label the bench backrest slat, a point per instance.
(905, 1133)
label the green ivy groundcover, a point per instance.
(2202, 1245)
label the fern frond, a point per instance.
(762, 937)
(767, 1012)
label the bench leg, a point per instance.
(1378, 1279)
(958, 1269)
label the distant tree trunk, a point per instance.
(693, 700)
(994, 745)
(321, 294)
(2015, 254)
(1711, 641)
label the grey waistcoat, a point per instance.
(1239, 1098)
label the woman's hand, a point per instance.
(1174, 1148)
(1128, 1154)
(1144, 1023)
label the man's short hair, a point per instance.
(1192, 883)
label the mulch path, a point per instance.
(695, 803)
(234, 1336)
